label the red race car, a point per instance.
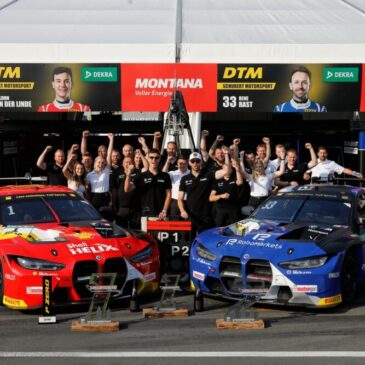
(52, 231)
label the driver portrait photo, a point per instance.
(62, 86)
(300, 86)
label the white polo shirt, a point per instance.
(99, 181)
(175, 177)
(326, 167)
(262, 186)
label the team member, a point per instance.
(62, 85)
(154, 187)
(273, 165)
(76, 180)
(176, 177)
(226, 197)
(98, 180)
(197, 186)
(216, 155)
(263, 151)
(126, 205)
(300, 85)
(293, 173)
(127, 150)
(171, 152)
(53, 170)
(261, 181)
(98, 183)
(326, 167)
(87, 161)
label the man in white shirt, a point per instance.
(326, 167)
(175, 176)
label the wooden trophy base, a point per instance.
(155, 313)
(249, 325)
(77, 326)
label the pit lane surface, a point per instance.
(287, 330)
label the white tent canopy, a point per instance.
(211, 31)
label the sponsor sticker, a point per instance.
(9, 277)
(333, 275)
(34, 290)
(151, 276)
(14, 303)
(261, 237)
(298, 272)
(84, 248)
(337, 299)
(198, 275)
(305, 289)
(230, 273)
(202, 261)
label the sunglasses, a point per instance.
(154, 157)
(195, 161)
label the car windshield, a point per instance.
(307, 209)
(38, 209)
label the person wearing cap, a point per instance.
(197, 186)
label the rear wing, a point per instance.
(21, 180)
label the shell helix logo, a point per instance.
(8, 72)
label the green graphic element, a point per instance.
(340, 74)
(99, 74)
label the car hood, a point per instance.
(269, 239)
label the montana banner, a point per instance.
(149, 87)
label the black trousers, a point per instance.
(225, 215)
(99, 200)
(256, 201)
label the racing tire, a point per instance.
(348, 279)
(198, 301)
(1, 284)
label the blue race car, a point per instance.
(301, 247)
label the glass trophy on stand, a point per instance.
(242, 314)
(98, 317)
(169, 288)
(167, 304)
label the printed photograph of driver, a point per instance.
(300, 83)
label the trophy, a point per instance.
(242, 315)
(98, 317)
(167, 304)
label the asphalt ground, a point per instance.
(290, 336)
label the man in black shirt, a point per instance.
(293, 174)
(153, 186)
(53, 170)
(126, 205)
(226, 197)
(197, 186)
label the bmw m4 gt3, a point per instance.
(51, 231)
(301, 247)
